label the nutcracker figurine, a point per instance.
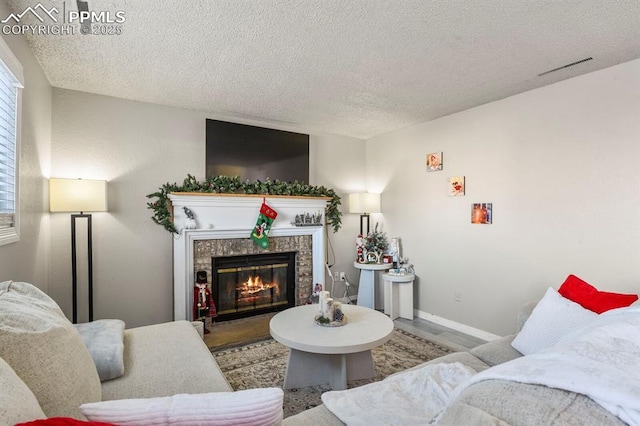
(360, 249)
(203, 305)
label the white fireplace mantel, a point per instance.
(223, 216)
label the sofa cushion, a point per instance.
(553, 317)
(260, 407)
(17, 402)
(593, 299)
(105, 341)
(46, 351)
(163, 360)
(500, 402)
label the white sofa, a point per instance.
(46, 371)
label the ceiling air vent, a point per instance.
(565, 66)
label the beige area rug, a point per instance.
(262, 364)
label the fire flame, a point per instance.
(254, 285)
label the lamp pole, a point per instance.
(74, 266)
(364, 217)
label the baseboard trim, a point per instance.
(462, 328)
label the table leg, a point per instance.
(387, 296)
(339, 381)
(308, 369)
(360, 366)
(366, 289)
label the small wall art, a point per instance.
(456, 186)
(434, 162)
(481, 213)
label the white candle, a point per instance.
(324, 295)
(328, 313)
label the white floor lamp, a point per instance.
(79, 195)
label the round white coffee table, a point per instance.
(331, 355)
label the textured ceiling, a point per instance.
(353, 67)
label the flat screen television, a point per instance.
(256, 153)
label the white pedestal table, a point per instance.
(398, 295)
(367, 283)
(333, 355)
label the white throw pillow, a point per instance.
(553, 317)
(247, 407)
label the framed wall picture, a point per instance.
(481, 213)
(456, 186)
(434, 162)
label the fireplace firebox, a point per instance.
(248, 285)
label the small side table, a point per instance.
(367, 284)
(398, 295)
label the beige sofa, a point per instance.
(46, 371)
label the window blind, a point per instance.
(10, 83)
(8, 104)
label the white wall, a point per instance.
(28, 259)
(138, 147)
(339, 163)
(560, 164)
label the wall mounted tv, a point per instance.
(255, 153)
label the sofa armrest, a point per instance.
(497, 351)
(199, 326)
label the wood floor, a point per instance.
(246, 330)
(237, 332)
(439, 334)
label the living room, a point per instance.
(559, 163)
(544, 106)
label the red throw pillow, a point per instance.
(591, 298)
(63, 421)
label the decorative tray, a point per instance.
(330, 323)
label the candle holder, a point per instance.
(331, 314)
(325, 322)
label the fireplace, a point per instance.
(249, 285)
(224, 223)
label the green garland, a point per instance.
(233, 185)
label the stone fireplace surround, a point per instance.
(204, 250)
(223, 226)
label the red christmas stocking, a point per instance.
(260, 233)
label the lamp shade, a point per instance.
(364, 202)
(77, 195)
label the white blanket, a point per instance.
(409, 398)
(600, 360)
